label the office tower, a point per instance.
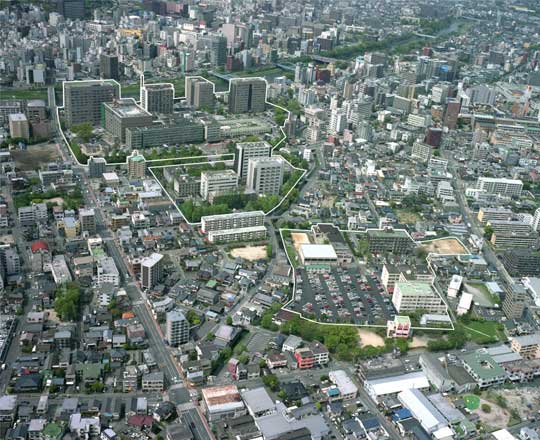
(123, 114)
(338, 121)
(87, 220)
(265, 175)
(108, 66)
(83, 99)
(247, 95)
(451, 113)
(18, 126)
(136, 164)
(199, 93)
(514, 301)
(215, 183)
(434, 136)
(74, 9)
(151, 270)
(218, 51)
(157, 98)
(177, 328)
(536, 220)
(96, 167)
(246, 151)
(365, 131)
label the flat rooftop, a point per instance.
(127, 108)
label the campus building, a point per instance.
(83, 99)
(199, 92)
(215, 183)
(389, 240)
(265, 175)
(249, 150)
(416, 295)
(157, 98)
(185, 131)
(122, 114)
(231, 221)
(247, 95)
(216, 130)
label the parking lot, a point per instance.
(343, 295)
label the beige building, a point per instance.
(19, 126)
(416, 295)
(136, 164)
(527, 346)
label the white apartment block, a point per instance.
(239, 220)
(500, 186)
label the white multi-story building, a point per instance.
(414, 295)
(500, 186)
(177, 328)
(238, 220)
(218, 182)
(151, 270)
(249, 150)
(265, 175)
(107, 272)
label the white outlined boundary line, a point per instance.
(348, 231)
(304, 171)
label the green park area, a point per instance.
(472, 402)
(483, 331)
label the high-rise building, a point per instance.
(157, 98)
(96, 167)
(87, 220)
(514, 301)
(247, 95)
(19, 126)
(246, 151)
(122, 114)
(74, 9)
(453, 106)
(410, 296)
(536, 220)
(214, 183)
(83, 99)
(265, 175)
(136, 164)
(151, 270)
(199, 92)
(177, 328)
(218, 50)
(434, 136)
(108, 66)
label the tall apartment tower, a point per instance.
(536, 220)
(247, 95)
(87, 220)
(199, 92)
(83, 99)
(177, 328)
(108, 66)
(151, 270)
(514, 302)
(136, 164)
(218, 50)
(19, 126)
(246, 151)
(157, 98)
(265, 175)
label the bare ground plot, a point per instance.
(35, 156)
(299, 238)
(370, 338)
(525, 400)
(407, 217)
(419, 342)
(497, 418)
(250, 253)
(444, 246)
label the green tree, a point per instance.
(83, 131)
(66, 302)
(229, 320)
(486, 408)
(271, 381)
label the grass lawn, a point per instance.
(25, 94)
(472, 402)
(292, 255)
(484, 331)
(407, 217)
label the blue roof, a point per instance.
(401, 414)
(333, 392)
(371, 423)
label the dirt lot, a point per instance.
(370, 338)
(35, 156)
(299, 238)
(419, 342)
(250, 253)
(445, 246)
(498, 418)
(521, 399)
